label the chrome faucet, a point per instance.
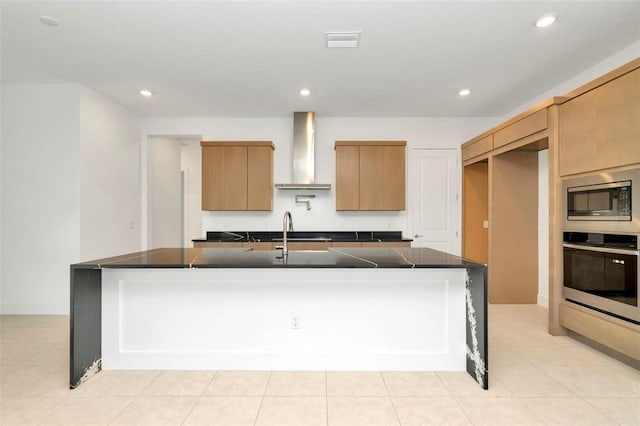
(287, 225)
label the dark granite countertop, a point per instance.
(269, 236)
(247, 258)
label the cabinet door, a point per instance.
(345, 244)
(347, 177)
(382, 177)
(309, 245)
(258, 245)
(224, 178)
(216, 244)
(213, 178)
(260, 178)
(235, 175)
(397, 244)
(371, 178)
(393, 178)
(618, 117)
(601, 128)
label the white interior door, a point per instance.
(435, 199)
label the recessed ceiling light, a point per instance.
(545, 21)
(49, 20)
(343, 38)
(146, 93)
(464, 92)
(305, 92)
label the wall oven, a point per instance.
(601, 271)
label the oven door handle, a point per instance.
(602, 250)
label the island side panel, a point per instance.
(85, 328)
(477, 326)
(353, 319)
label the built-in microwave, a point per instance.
(606, 202)
(603, 201)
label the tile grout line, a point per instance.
(459, 405)
(393, 405)
(326, 397)
(535, 416)
(454, 398)
(264, 393)
(600, 411)
(199, 397)
(134, 398)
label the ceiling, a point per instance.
(251, 58)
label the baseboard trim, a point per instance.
(543, 301)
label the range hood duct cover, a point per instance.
(304, 127)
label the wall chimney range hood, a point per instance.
(304, 126)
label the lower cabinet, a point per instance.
(387, 244)
(258, 245)
(309, 245)
(346, 244)
(216, 244)
(299, 245)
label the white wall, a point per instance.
(40, 196)
(163, 192)
(192, 168)
(543, 228)
(109, 177)
(418, 132)
(70, 188)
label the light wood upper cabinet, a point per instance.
(600, 129)
(260, 177)
(237, 175)
(524, 127)
(370, 175)
(347, 177)
(476, 148)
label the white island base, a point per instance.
(353, 319)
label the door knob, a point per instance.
(418, 236)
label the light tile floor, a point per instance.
(535, 379)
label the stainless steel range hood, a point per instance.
(304, 127)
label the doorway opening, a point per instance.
(173, 191)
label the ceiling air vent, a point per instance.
(343, 38)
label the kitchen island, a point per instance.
(340, 309)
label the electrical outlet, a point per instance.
(295, 322)
(485, 224)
